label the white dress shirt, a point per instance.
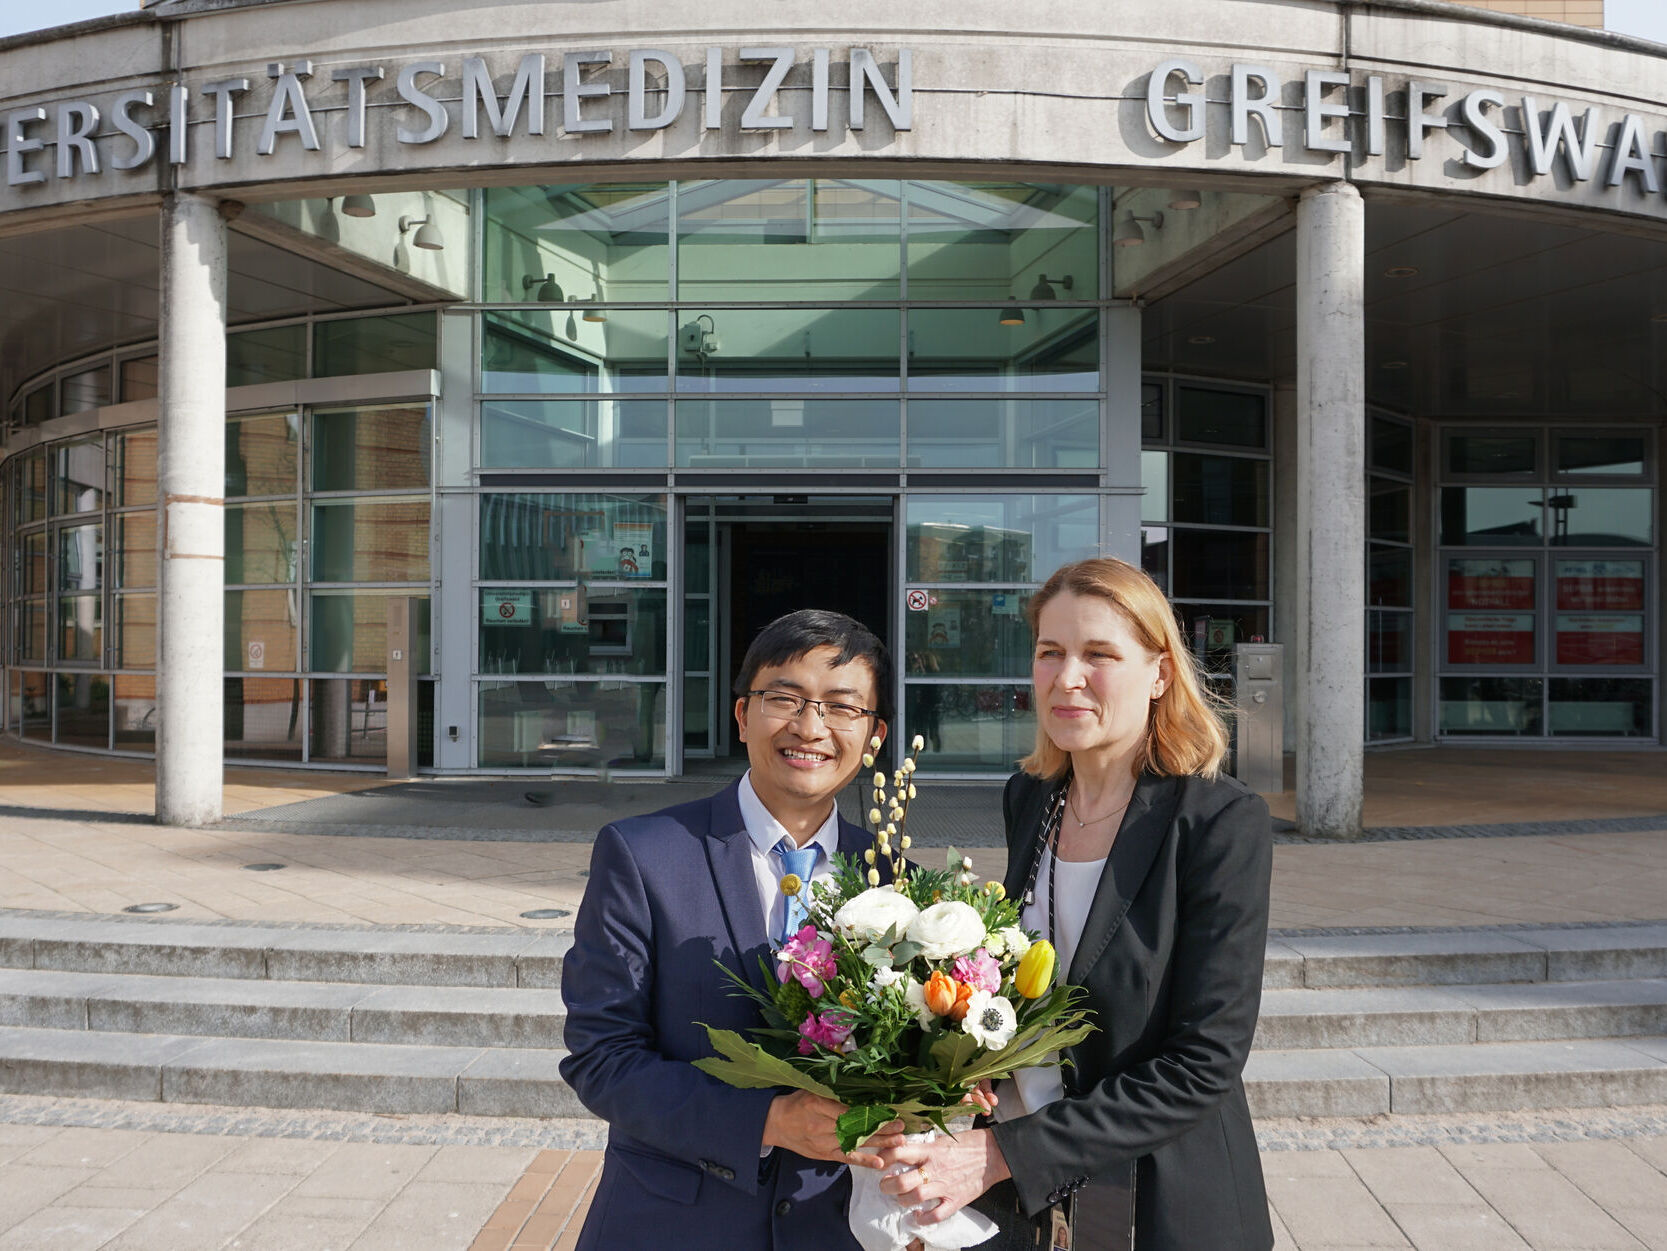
(765, 832)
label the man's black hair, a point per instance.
(791, 636)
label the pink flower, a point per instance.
(809, 958)
(979, 970)
(830, 1029)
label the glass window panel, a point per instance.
(1220, 564)
(970, 634)
(796, 432)
(31, 566)
(88, 389)
(1220, 490)
(980, 729)
(1601, 708)
(370, 540)
(1388, 642)
(697, 560)
(1154, 555)
(697, 634)
(139, 378)
(81, 629)
(993, 240)
(1389, 576)
(80, 558)
(31, 487)
(1599, 612)
(260, 454)
(1005, 433)
(573, 434)
(1599, 638)
(260, 631)
(135, 631)
(1599, 585)
(1391, 447)
(1513, 454)
(998, 538)
(1491, 705)
(1233, 418)
(1618, 455)
(30, 639)
(1228, 624)
(697, 714)
(349, 632)
(1389, 511)
(788, 239)
(796, 350)
(559, 352)
(83, 709)
(261, 544)
(32, 705)
(78, 476)
(1151, 411)
(607, 241)
(985, 349)
(347, 720)
(1154, 479)
(1491, 618)
(375, 345)
(37, 405)
(608, 630)
(136, 467)
(1491, 516)
(276, 354)
(262, 718)
(558, 538)
(135, 712)
(1601, 517)
(135, 557)
(371, 449)
(1388, 708)
(573, 725)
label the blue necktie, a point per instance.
(802, 861)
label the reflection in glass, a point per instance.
(370, 540)
(1004, 433)
(261, 542)
(998, 538)
(1391, 447)
(260, 454)
(972, 349)
(1388, 641)
(78, 476)
(970, 634)
(577, 242)
(88, 389)
(31, 485)
(374, 345)
(135, 453)
(1220, 564)
(1233, 418)
(371, 449)
(32, 705)
(697, 712)
(1388, 708)
(603, 630)
(1154, 480)
(1220, 490)
(135, 557)
(559, 538)
(572, 434)
(135, 631)
(134, 707)
(980, 729)
(1601, 517)
(81, 629)
(347, 720)
(349, 633)
(31, 567)
(80, 558)
(788, 239)
(1154, 555)
(1513, 454)
(1601, 708)
(1151, 411)
(30, 638)
(1389, 576)
(1228, 624)
(262, 718)
(794, 432)
(139, 378)
(260, 630)
(737, 350)
(276, 354)
(1615, 455)
(1491, 705)
(573, 725)
(83, 709)
(556, 352)
(1491, 516)
(1389, 511)
(993, 240)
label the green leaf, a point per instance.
(879, 957)
(952, 1053)
(748, 1066)
(859, 1124)
(905, 952)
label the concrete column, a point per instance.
(1331, 508)
(1289, 586)
(191, 479)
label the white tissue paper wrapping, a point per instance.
(880, 1223)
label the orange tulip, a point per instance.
(942, 993)
(963, 1000)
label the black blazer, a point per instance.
(1171, 956)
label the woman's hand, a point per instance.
(953, 1171)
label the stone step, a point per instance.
(1474, 1077)
(285, 1073)
(418, 956)
(1452, 1015)
(452, 1016)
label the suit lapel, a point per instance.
(1144, 828)
(729, 853)
(1027, 825)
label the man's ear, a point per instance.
(880, 730)
(741, 718)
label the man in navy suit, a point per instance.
(692, 1163)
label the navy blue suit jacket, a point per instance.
(670, 894)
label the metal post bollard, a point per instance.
(1259, 716)
(402, 687)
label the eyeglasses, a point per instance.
(782, 706)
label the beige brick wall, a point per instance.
(1574, 12)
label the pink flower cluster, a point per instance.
(809, 958)
(980, 970)
(830, 1029)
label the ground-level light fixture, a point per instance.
(1401, 271)
(358, 206)
(427, 236)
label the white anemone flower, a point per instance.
(886, 977)
(914, 994)
(990, 1020)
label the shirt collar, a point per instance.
(765, 831)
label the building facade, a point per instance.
(607, 339)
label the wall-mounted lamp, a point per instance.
(1186, 201)
(1012, 315)
(549, 290)
(592, 313)
(1043, 290)
(1130, 235)
(427, 236)
(358, 206)
(700, 341)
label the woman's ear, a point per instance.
(1166, 674)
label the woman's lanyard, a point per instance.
(1047, 838)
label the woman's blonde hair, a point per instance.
(1184, 733)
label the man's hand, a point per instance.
(806, 1125)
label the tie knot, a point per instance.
(796, 859)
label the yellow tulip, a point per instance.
(1035, 972)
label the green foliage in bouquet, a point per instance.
(898, 1000)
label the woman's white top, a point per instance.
(1079, 880)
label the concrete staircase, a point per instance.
(429, 1021)
(1462, 1021)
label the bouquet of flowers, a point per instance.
(899, 999)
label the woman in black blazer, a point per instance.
(1159, 909)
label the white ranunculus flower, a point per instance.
(990, 1020)
(886, 977)
(870, 914)
(946, 930)
(914, 994)
(1010, 941)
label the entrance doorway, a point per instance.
(765, 557)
